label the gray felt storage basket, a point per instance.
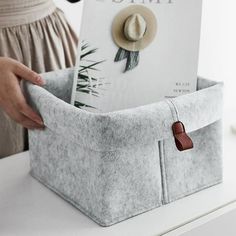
(116, 165)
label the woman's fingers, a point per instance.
(28, 112)
(19, 103)
(27, 123)
(22, 119)
(12, 99)
(25, 73)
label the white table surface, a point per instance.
(29, 208)
(222, 225)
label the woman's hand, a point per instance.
(11, 97)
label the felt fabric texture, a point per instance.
(193, 170)
(113, 166)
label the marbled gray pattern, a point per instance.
(116, 165)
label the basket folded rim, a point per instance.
(113, 130)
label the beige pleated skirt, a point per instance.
(44, 45)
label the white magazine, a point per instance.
(167, 67)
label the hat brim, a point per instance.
(118, 28)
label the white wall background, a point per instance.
(73, 12)
(218, 47)
(217, 58)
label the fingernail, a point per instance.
(40, 127)
(40, 81)
(39, 121)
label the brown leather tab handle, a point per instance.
(182, 140)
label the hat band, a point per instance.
(132, 58)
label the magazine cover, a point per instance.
(133, 53)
